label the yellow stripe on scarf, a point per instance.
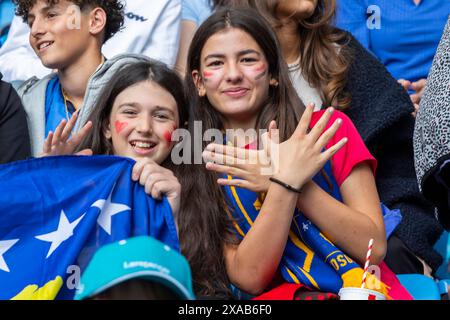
(239, 230)
(309, 254)
(239, 203)
(307, 275)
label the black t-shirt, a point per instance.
(14, 136)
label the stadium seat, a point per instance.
(424, 288)
(420, 287)
(443, 247)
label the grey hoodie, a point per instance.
(32, 92)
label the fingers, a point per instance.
(234, 183)
(274, 133)
(271, 139)
(152, 173)
(209, 156)
(163, 188)
(228, 150)
(326, 155)
(272, 126)
(415, 98)
(79, 137)
(159, 184)
(138, 168)
(303, 125)
(419, 85)
(320, 126)
(226, 170)
(69, 126)
(85, 152)
(58, 132)
(416, 107)
(150, 182)
(405, 84)
(48, 144)
(328, 135)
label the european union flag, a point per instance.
(56, 212)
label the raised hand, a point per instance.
(158, 182)
(301, 155)
(60, 143)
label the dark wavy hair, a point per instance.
(114, 12)
(323, 63)
(204, 225)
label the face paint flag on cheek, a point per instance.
(206, 75)
(261, 70)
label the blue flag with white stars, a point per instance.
(56, 212)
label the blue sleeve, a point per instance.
(196, 10)
(352, 16)
(189, 11)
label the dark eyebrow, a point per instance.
(240, 53)
(137, 105)
(158, 108)
(214, 55)
(249, 51)
(43, 10)
(129, 104)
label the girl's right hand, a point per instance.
(59, 143)
(158, 181)
(298, 159)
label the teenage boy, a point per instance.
(74, 50)
(151, 28)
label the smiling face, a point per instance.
(234, 75)
(295, 9)
(142, 121)
(55, 37)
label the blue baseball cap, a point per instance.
(136, 258)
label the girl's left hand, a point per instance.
(158, 182)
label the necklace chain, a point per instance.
(65, 104)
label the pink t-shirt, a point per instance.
(353, 153)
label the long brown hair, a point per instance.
(324, 56)
(203, 222)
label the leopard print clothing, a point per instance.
(432, 130)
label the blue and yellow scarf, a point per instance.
(309, 257)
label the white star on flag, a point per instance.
(5, 246)
(107, 210)
(64, 232)
(305, 227)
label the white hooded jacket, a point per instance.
(151, 28)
